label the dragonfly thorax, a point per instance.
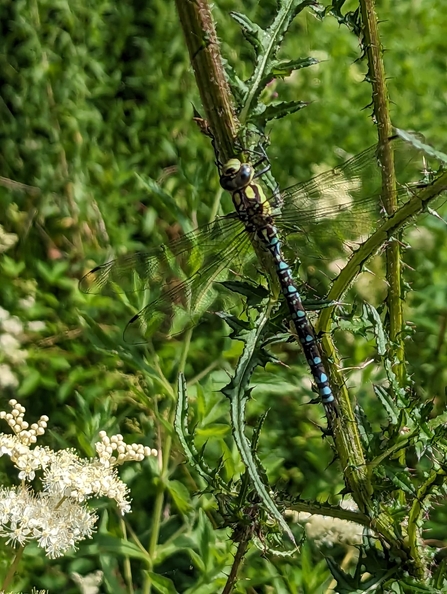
(236, 175)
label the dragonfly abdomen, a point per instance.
(303, 327)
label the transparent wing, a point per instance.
(177, 276)
(344, 204)
(147, 270)
(181, 304)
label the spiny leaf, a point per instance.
(195, 459)
(388, 404)
(276, 111)
(382, 342)
(419, 144)
(254, 293)
(251, 31)
(365, 429)
(401, 480)
(238, 391)
(266, 44)
(286, 67)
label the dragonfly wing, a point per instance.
(155, 267)
(182, 303)
(344, 204)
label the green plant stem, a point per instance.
(401, 444)
(203, 46)
(346, 434)
(12, 568)
(164, 471)
(127, 568)
(241, 549)
(345, 429)
(367, 250)
(417, 509)
(376, 75)
(330, 511)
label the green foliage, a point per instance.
(100, 157)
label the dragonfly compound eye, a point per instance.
(236, 175)
(245, 174)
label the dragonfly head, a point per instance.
(236, 175)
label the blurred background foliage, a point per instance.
(96, 107)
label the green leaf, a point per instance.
(416, 141)
(252, 32)
(30, 383)
(284, 68)
(388, 403)
(254, 293)
(105, 544)
(238, 392)
(162, 584)
(216, 430)
(266, 44)
(275, 111)
(194, 458)
(401, 479)
(180, 495)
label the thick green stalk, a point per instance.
(418, 203)
(345, 430)
(376, 75)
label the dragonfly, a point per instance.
(341, 205)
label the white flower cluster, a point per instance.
(57, 518)
(12, 331)
(7, 240)
(329, 531)
(56, 524)
(112, 450)
(10, 351)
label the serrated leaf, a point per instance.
(251, 31)
(237, 325)
(365, 429)
(238, 392)
(286, 67)
(416, 141)
(416, 587)
(388, 404)
(254, 293)
(275, 111)
(381, 338)
(266, 44)
(186, 440)
(382, 342)
(401, 480)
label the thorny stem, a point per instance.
(358, 476)
(416, 510)
(376, 75)
(241, 550)
(198, 29)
